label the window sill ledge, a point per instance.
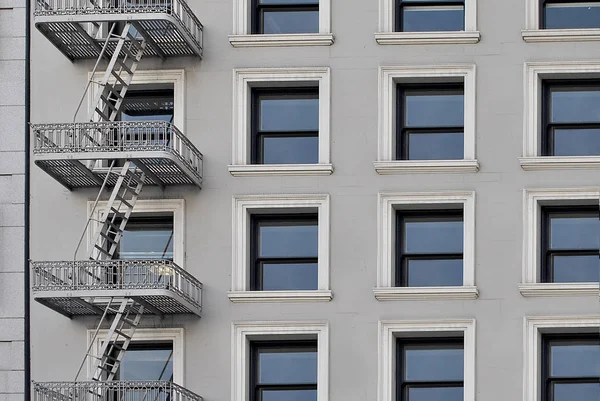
(256, 170)
(305, 39)
(559, 289)
(425, 293)
(425, 166)
(424, 38)
(560, 35)
(559, 162)
(280, 296)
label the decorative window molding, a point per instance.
(388, 36)
(246, 205)
(388, 203)
(534, 73)
(175, 335)
(243, 37)
(244, 332)
(390, 330)
(175, 206)
(534, 327)
(244, 79)
(389, 77)
(533, 200)
(532, 32)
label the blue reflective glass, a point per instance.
(575, 106)
(435, 146)
(576, 269)
(290, 276)
(287, 367)
(574, 232)
(281, 22)
(146, 244)
(288, 240)
(435, 273)
(433, 19)
(281, 115)
(576, 391)
(435, 394)
(289, 395)
(147, 364)
(433, 236)
(577, 142)
(290, 149)
(575, 360)
(424, 363)
(434, 110)
(572, 16)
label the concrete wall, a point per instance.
(58, 215)
(12, 134)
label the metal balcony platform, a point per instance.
(78, 28)
(157, 147)
(85, 287)
(112, 391)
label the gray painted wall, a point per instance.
(58, 216)
(12, 114)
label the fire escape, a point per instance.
(119, 158)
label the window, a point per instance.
(430, 15)
(430, 122)
(571, 242)
(285, 16)
(148, 105)
(571, 119)
(147, 361)
(285, 126)
(431, 369)
(565, 14)
(284, 370)
(430, 248)
(285, 252)
(147, 237)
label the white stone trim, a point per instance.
(534, 73)
(412, 293)
(533, 329)
(244, 332)
(560, 35)
(175, 206)
(244, 79)
(533, 200)
(176, 335)
(389, 76)
(426, 166)
(388, 203)
(559, 289)
(259, 170)
(286, 40)
(390, 330)
(246, 205)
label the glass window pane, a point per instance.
(147, 365)
(435, 394)
(278, 22)
(576, 142)
(290, 276)
(424, 363)
(581, 360)
(432, 273)
(281, 115)
(574, 232)
(288, 240)
(433, 19)
(287, 2)
(147, 244)
(575, 106)
(576, 269)
(433, 236)
(574, 15)
(290, 150)
(435, 146)
(287, 367)
(423, 110)
(289, 395)
(576, 391)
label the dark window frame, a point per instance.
(256, 265)
(401, 266)
(257, 144)
(402, 131)
(281, 346)
(257, 20)
(403, 386)
(546, 380)
(547, 270)
(542, 9)
(547, 137)
(400, 4)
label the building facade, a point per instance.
(398, 201)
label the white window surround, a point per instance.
(533, 200)
(388, 204)
(534, 74)
(243, 37)
(534, 328)
(244, 79)
(175, 206)
(389, 77)
(243, 208)
(533, 33)
(175, 335)
(387, 36)
(390, 330)
(244, 332)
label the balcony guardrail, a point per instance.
(112, 391)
